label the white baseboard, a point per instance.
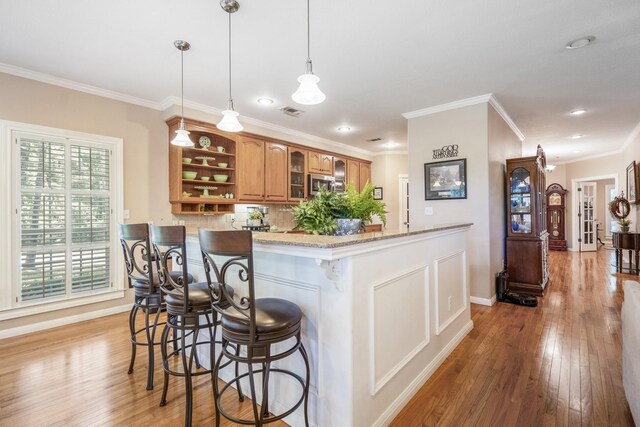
(404, 397)
(40, 326)
(483, 301)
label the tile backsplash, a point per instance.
(278, 215)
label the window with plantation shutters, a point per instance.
(65, 221)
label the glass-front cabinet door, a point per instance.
(297, 182)
(339, 173)
(520, 201)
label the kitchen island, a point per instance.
(381, 312)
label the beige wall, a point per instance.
(142, 129)
(502, 144)
(631, 153)
(385, 172)
(485, 141)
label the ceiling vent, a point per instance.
(374, 139)
(290, 111)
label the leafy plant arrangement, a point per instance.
(255, 214)
(624, 222)
(319, 215)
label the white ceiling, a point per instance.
(376, 60)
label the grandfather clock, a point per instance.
(556, 217)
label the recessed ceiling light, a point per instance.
(577, 151)
(344, 129)
(390, 145)
(578, 112)
(581, 42)
(578, 136)
(265, 101)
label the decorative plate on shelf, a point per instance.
(204, 142)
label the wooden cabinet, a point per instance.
(193, 188)
(353, 173)
(275, 183)
(358, 173)
(527, 238)
(339, 173)
(251, 165)
(320, 163)
(365, 174)
(297, 174)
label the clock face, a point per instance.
(555, 199)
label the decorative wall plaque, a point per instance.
(446, 152)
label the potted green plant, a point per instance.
(339, 213)
(255, 218)
(624, 225)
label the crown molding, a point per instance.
(482, 99)
(493, 101)
(165, 104)
(80, 87)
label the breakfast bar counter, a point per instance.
(381, 312)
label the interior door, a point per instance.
(587, 216)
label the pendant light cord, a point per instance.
(182, 82)
(230, 99)
(308, 34)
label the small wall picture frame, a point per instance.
(632, 183)
(445, 180)
(377, 193)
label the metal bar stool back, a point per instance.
(257, 324)
(188, 312)
(134, 239)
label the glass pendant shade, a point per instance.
(308, 92)
(182, 138)
(229, 122)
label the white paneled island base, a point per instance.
(381, 312)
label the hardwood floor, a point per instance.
(77, 376)
(558, 364)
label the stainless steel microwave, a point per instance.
(316, 182)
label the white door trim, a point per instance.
(402, 200)
(574, 204)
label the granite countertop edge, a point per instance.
(330, 242)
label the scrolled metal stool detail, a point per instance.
(250, 323)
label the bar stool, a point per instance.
(255, 324)
(143, 278)
(185, 306)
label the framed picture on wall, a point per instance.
(445, 180)
(377, 193)
(632, 183)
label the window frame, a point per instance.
(9, 234)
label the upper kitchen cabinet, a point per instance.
(353, 173)
(297, 174)
(275, 183)
(365, 174)
(202, 178)
(320, 163)
(251, 167)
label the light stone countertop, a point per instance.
(327, 242)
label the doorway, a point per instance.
(610, 223)
(583, 225)
(404, 203)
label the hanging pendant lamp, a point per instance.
(308, 92)
(229, 122)
(182, 136)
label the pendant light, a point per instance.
(308, 92)
(182, 136)
(229, 122)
